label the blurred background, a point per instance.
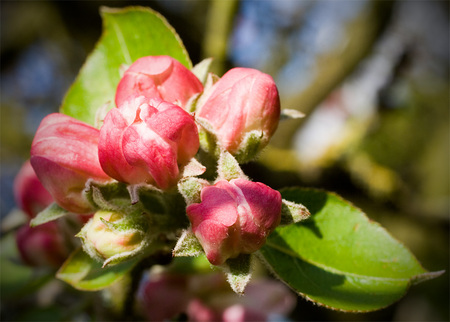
(372, 78)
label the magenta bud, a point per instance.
(29, 193)
(158, 77)
(164, 296)
(234, 217)
(147, 141)
(243, 108)
(64, 156)
(42, 246)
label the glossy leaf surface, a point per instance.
(339, 258)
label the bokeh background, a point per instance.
(372, 78)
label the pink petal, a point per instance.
(144, 149)
(110, 150)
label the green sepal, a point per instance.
(193, 169)
(106, 196)
(292, 212)
(153, 201)
(191, 103)
(207, 134)
(191, 188)
(135, 189)
(207, 137)
(228, 168)
(187, 245)
(52, 212)
(201, 70)
(239, 272)
(110, 225)
(211, 79)
(250, 146)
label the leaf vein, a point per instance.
(334, 270)
(122, 43)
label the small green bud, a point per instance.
(112, 237)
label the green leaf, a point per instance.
(52, 212)
(86, 274)
(128, 34)
(339, 258)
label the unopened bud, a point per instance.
(160, 77)
(242, 110)
(64, 156)
(112, 237)
(147, 141)
(234, 218)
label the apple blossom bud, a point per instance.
(64, 156)
(243, 110)
(164, 296)
(199, 311)
(147, 141)
(158, 77)
(43, 245)
(234, 217)
(29, 193)
(111, 237)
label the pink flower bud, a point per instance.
(147, 141)
(164, 296)
(242, 101)
(64, 156)
(29, 192)
(234, 217)
(199, 311)
(240, 313)
(43, 245)
(158, 77)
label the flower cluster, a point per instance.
(153, 147)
